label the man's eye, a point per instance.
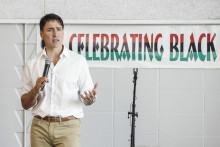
(59, 29)
(49, 30)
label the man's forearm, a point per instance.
(29, 99)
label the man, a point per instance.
(58, 108)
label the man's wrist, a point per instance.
(88, 103)
(35, 90)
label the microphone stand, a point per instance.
(133, 113)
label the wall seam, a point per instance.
(25, 117)
(158, 103)
(113, 107)
(204, 72)
(44, 7)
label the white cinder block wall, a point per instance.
(177, 107)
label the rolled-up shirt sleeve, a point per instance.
(26, 79)
(85, 82)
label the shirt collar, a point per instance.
(64, 53)
(44, 53)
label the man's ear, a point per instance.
(41, 34)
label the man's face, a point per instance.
(52, 34)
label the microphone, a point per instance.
(135, 71)
(46, 69)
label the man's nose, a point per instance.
(55, 33)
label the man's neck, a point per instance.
(54, 53)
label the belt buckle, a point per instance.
(48, 118)
(59, 116)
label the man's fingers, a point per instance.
(91, 94)
(41, 82)
(84, 98)
(86, 94)
(42, 79)
(96, 85)
(94, 92)
(94, 89)
(45, 81)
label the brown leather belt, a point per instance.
(56, 118)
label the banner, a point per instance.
(145, 46)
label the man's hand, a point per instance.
(41, 82)
(29, 99)
(89, 98)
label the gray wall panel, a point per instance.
(176, 141)
(20, 9)
(212, 80)
(177, 107)
(181, 79)
(136, 10)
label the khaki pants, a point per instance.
(55, 134)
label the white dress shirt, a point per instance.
(68, 79)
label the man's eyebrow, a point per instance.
(54, 28)
(50, 28)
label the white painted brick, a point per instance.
(181, 124)
(103, 103)
(28, 140)
(121, 140)
(96, 140)
(82, 9)
(97, 123)
(21, 9)
(31, 50)
(139, 10)
(180, 141)
(104, 77)
(140, 141)
(147, 79)
(212, 127)
(181, 101)
(9, 99)
(184, 79)
(31, 33)
(212, 102)
(29, 118)
(212, 141)
(11, 33)
(146, 101)
(146, 124)
(170, 9)
(113, 9)
(146, 141)
(123, 100)
(121, 123)
(11, 120)
(212, 79)
(124, 79)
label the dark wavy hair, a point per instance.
(49, 17)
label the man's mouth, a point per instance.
(55, 40)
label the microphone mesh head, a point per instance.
(48, 60)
